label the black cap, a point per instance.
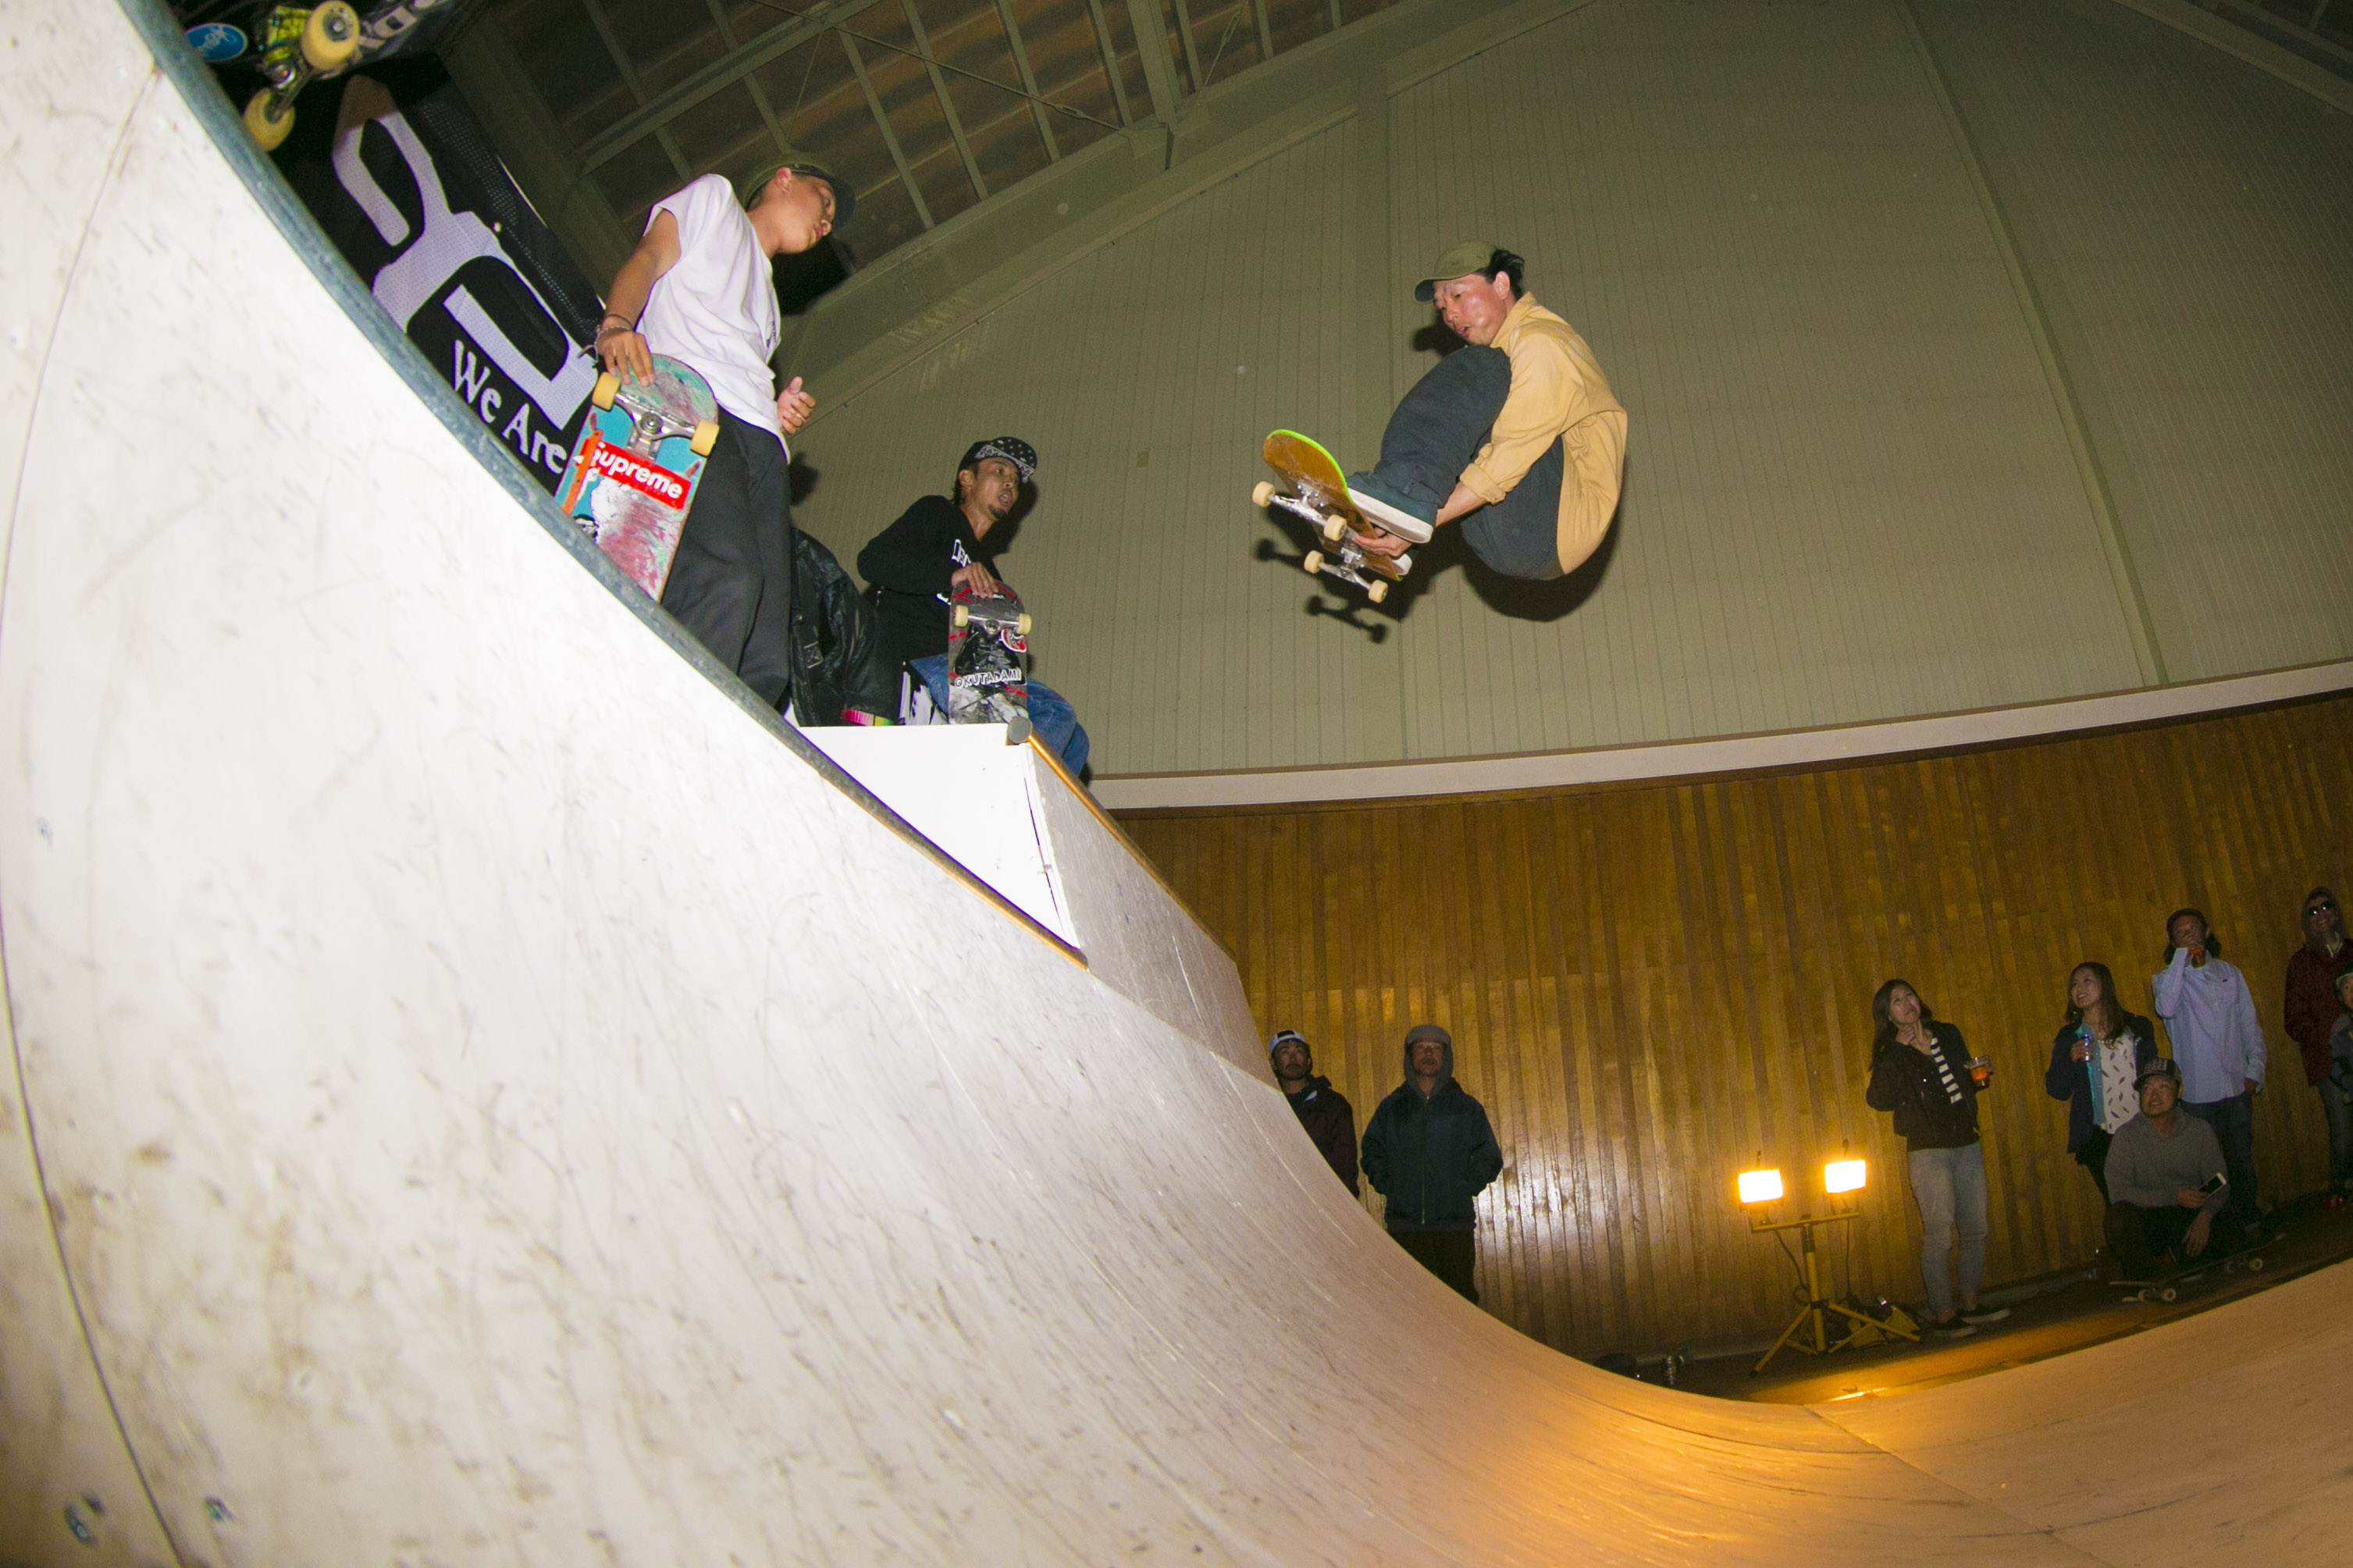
(1012, 449)
(2163, 1066)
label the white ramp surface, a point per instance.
(484, 1095)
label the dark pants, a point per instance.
(2094, 1157)
(1449, 1254)
(1432, 437)
(2234, 1121)
(2138, 1236)
(732, 582)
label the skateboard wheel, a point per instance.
(1314, 561)
(2167, 1294)
(960, 616)
(1377, 592)
(2254, 1266)
(2145, 1294)
(331, 35)
(1021, 627)
(1332, 529)
(608, 388)
(267, 129)
(706, 435)
(1263, 494)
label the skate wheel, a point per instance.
(706, 435)
(1332, 529)
(2231, 1266)
(960, 616)
(2167, 1294)
(331, 35)
(608, 386)
(2146, 1295)
(1314, 561)
(1377, 592)
(268, 131)
(1021, 627)
(2254, 1266)
(1263, 494)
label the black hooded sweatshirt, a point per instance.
(1430, 1158)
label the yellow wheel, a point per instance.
(706, 435)
(2255, 1265)
(960, 616)
(601, 394)
(1332, 529)
(1262, 495)
(1377, 592)
(1021, 627)
(331, 35)
(267, 129)
(2167, 1294)
(1314, 561)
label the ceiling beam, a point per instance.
(621, 63)
(759, 94)
(716, 76)
(883, 123)
(1152, 52)
(1192, 55)
(1111, 63)
(948, 104)
(1029, 80)
(1265, 33)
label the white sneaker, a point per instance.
(1986, 1315)
(1404, 524)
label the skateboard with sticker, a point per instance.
(1313, 488)
(637, 463)
(987, 634)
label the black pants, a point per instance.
(2094, 1157)
(1449, 1254)
(2234, 1121)
(2138, 1235)
(1436, 432)
(731, 583)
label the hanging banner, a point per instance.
(412, 195)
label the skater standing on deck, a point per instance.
(699, 288)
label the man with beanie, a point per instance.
(1430, 1152)
(1517, 434)
(1324, 1111)
(700, 288)
(937, 546)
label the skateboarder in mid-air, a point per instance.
(698, 288)
(1516, 436)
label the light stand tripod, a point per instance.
(1811, 1320)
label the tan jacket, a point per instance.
(1558, 393)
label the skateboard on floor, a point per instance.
(1313, 488)
(2166, 1287)
(634, 469)
(987, 634)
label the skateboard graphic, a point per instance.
(1318, 491)
(299, 44)
(2166, 1287)
(987, 637)
(635, 468)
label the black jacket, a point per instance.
(909, 565)
(1928, 1115)
(1331, 1121)
(2070, 1081)
(837, 659)
(1431, 1157)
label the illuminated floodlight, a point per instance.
(1760, 1186)
(1843, 1176)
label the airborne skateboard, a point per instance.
(987, 637)
(1318, 491)
(299, 44)
(635, 468)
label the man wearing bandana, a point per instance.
(937, 546)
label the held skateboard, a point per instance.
(987, 637)
(1313, 488)
(634, 469)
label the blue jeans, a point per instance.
(2340, 1131)
(2234, 1121)
(1949, 1185)
(1432, 437)
(1056, 724)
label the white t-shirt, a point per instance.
(716, 307)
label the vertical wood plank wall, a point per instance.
(1649, 984)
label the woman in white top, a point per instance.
(2096, 1058)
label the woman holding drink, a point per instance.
(1922, 1070)
(2096, 1060)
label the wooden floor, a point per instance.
(1652, 986)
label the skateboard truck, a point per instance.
(648, 425)
(995, 615)
(1354, 561)
(297, 48)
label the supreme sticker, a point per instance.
(625, 466)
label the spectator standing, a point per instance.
(2311, 1012)
(1920, 1070)
(2096, 1060)
(1430, 1153)
(1324, 1111)
(2340, 1050)
(2219, 1045)
(2158, 1168)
